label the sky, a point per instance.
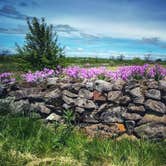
(91, 28)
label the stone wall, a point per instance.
(106, 108)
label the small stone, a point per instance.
(41, 108)
(114, 96)
(88, 118)
(68, 100)
(84, 103)
(85, 94)
(151, 131)
(138, 100)
(69, 94)
(130, 124)
(54, 117)
(118, 84)
(98, 96)
(136, 109)
(136, 92)
(79, 110)
(55, 94)
(155, 106)
(52, 81)
(153, 94)
(89, 86)
(102, 86)
(152, 118)
(162, 85)
(132, 116)
(66, 106)
(124, 100)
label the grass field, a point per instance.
(30, 142)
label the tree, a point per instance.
(41, 48)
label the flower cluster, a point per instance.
(6, 78)
(125, 72)
(38, 76)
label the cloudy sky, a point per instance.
(95, 28)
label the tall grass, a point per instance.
(26, 141)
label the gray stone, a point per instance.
(124, 100)
(84, 103)
(102, 86)
(2, 91)
(52, 81)
(136, 92)
(89, 86)
(79, 110)
(66, 106)
(54, 117)
(130, 124)
(155, 106)
(54, 94)
(114, 96)
(112, 115)
(68, 100)
(88, 118)
(69, 94)
(151, 131)
(132, 116)
(162, 85)
(136, 109)
(153, 94)
(21, 106)
(152, 84)
(118, 84)
(138, 100)
(41, 108)
(152, 118)
(84, 93)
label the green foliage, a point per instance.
(41, 48)
(25, 140)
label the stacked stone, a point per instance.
(107, 108)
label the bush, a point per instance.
(40, 50)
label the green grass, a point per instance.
(25, 141)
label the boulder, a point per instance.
(155, 106)
(152, 118)
(153, 94)
(151, 131)
(112, 115)
(102, 86)
(84, 93)
(85, 103)
(114, 96)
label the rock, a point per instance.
(136, 109)
(126, 136)
(151, 131)
(66, 106)
(84, 93)
(3, 91)
(77, 86)
(131, 84)
(79, 110)
(84, 103)
(162, 85)
(54, 117)
(124, 100)
(152, 118)
(54, 94)
(69, 94)
(89, 86)
(153, 94)
(68, 100)
(102, 130)
(130, 124)
(87, 117)
(114, 96)
(155, 106)
(20, 107)
(152, 84)
(52, 81)
(98, 96)
(136, 92)
(102, 86)
(118, 85)
(112, 115)
(132, 116)
(138, 100)
(41, 108)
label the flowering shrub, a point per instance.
(6, 78)
(38, 75)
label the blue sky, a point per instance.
(95, 28)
